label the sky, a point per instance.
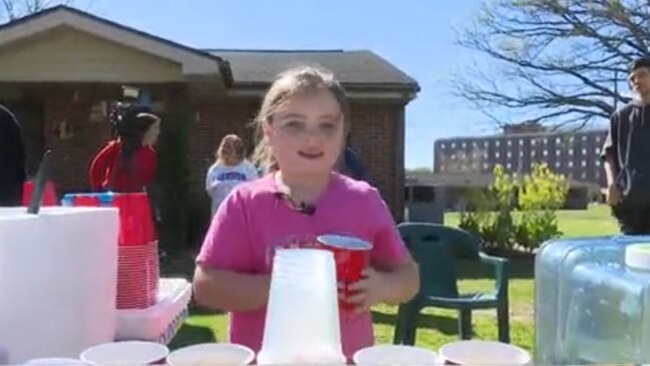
(415, 35)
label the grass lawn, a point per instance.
(438, 326)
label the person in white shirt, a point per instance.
(230, 168)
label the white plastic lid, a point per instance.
(638, 256)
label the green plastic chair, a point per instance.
(434, 247)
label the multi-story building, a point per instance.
(573, 154)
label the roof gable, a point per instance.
(194, 62)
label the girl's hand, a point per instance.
(368, 291)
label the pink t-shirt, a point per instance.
(253, 221)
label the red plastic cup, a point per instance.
(49, 194)
(352, 256)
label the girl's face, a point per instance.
(151, 136)
(306, 133)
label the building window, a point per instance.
(442, 167)
(558, 140)
(533, 142)
(571, 139)
(509, 166)
(464, 145)
(453, 145)
(597, 151)
(584, 163)
(583, 175)
(570, 164)
(545, 141)
(545, 152)
(453, 156)
(509, 142)
(521, 142)
(571, 152)
(497, 143)
(497, 155)
(597, 162)
(584, 138)
(509, 154)
(442, 146)
(558, 152)
(533, 153)
(557, 164)
(584, 151)
(486, 166)
(485, 144)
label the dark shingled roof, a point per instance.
(362, 67)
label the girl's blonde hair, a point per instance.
(297, 81)
(231, 150)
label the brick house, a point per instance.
(59, 68)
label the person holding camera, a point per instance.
(127, 163)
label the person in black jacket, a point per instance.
(625, 155)
(12, 159)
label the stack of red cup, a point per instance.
(138, 264)
(138, 269)
(138, 275)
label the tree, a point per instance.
(13, 9)
(553, 61)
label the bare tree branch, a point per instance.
(561, 62)
(14, 9)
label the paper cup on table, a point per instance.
(126, 353)
(476, 352)
(212, 354)
(302, 318)
(395, 355)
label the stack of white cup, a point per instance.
(302, 318)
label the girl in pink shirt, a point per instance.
(303, 122)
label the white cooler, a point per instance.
(160, 322)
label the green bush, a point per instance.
(517, 212)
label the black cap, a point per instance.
(639, 63)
